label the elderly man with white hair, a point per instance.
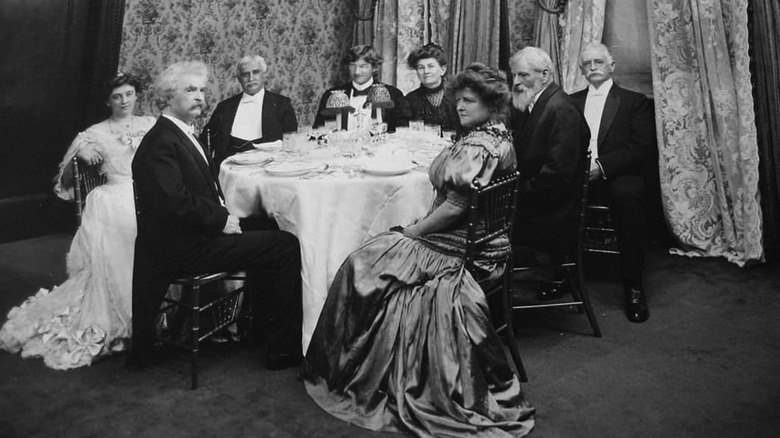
(185, 229)
(252, 117)
(551, 137)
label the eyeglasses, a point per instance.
(598, 63)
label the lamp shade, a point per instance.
(379, 96)
(338, 102)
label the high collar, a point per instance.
(364, 86)
(257, 97)
(603, 90)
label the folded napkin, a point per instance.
(270, 146)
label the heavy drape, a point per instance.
(708, 154)
(583, 22)
(468, 31)
(546, 33)
(765, 32)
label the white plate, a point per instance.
(292, 168)
(388, 168)
(246, 158)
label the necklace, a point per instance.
(124, 137)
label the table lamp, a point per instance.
(379, 98)
(337, 104)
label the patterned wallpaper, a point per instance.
(302, 41)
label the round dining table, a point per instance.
(332, 201)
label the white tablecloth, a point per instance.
(332, 212)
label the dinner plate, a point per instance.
(388, 168)
(292, 168)
(246, 158)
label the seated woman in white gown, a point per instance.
(89, 314)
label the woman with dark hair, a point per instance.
(364, 63)
(429, 102)
(405, 341)
(88, 315)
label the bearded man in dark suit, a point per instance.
(623, 146)
(253, 117)
(185, 229)
(550, 138)
(363, 62)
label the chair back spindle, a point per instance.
(85, 179)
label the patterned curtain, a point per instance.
(400, 28)
(708, 151)
(583, 22)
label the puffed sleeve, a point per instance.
(475, 158)
(63, 182)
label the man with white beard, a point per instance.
(551, 138)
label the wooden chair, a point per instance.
(571, 264)
(493, 207)
(85, 179)
(205, 315)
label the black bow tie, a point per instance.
(356, 92)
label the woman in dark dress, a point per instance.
(429, 102)
(405, 341)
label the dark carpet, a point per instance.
(707, 363)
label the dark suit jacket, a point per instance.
(550, 143)
(399, 115)
(177, 194)
(278, 118)
(627, 132)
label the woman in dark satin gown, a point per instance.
(405, 341)
(429, 102)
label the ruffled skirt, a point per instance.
(405, 343)
(88, 315)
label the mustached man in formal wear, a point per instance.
(550, 139)
(253, 117)
(185, 229)
(623, 146)
(364, 62)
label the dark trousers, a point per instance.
(272, 260)
(625, 196)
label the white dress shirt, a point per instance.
(357, 102)
(594, 108)
(248, 124)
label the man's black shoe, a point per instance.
(552, 291)
(636, 304)
(280, 361)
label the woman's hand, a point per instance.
(412, 231)
(90, 155)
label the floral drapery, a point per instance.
(583, 22)
(705, 121)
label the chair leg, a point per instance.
(586, 299)
(506, 304)
(195, 296)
